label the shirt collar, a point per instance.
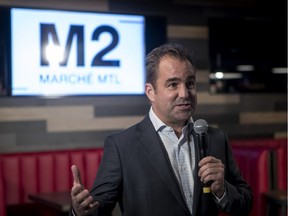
(160, 125)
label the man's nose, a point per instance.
(183, 91)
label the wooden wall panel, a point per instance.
(64, 119)
(95, 124)
(183, 31)
(44, 113)
(263, 117)
(74, 122)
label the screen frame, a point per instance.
(155, 34)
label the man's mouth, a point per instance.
(185, 105)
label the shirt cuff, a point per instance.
(73, 213)
(222, 201)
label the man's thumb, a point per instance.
(76, 175)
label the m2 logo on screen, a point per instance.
(55, 55)
(74, 53)
(77, 31)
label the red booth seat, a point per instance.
(254, 166)
(278, 158)
(26, 173)
(263, 163)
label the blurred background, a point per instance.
(223, 35)
(240, 51)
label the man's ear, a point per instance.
(149, 91)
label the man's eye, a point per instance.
(190, 85)
(173, 84)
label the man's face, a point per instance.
(174, 98)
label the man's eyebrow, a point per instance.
(172, 79)
(191, 77)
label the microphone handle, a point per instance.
(202, 144)
(202, 140)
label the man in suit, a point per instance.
(154, 167)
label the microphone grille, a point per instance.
(200, 126)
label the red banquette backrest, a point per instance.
(25, 173)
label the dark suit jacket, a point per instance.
(135, 171)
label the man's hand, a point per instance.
(212, 169)
(82, 202)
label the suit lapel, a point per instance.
(152, 146)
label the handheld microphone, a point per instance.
(201, 128)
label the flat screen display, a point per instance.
(60, 53)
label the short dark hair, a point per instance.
(153, 58)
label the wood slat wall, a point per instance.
(36, 123)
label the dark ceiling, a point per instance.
(196, 12)
(261, 7)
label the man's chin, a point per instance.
(184, 116)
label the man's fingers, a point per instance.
(208, 159)
(89, 203)
(76, 175)
(83, 203)
(83, 196)
(96, 204)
